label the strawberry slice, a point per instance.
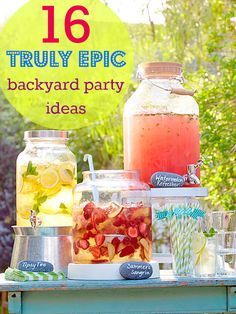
(119, 220)
(134, 243)
(88, 209)
(143, 229)
(89, 226)
(104, 251)
(132, 232)
(116, 243)
(98, 217)
(99, 239)
(126, 241)
(83, 244)
(95, 251)
(128, 250)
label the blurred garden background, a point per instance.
(199, 34)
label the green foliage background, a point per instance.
(199, 34)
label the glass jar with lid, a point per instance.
(161, 123)
(112, 218)
(46, 175)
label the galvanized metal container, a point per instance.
(51, 244)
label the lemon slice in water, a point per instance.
(199, 244)
(49, 178)
(66, 172)
(199, 241)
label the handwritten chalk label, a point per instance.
(35, 266)
(167, 180)
(136, 270)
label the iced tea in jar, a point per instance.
(112, 218)
(46, 175)
(161, 123)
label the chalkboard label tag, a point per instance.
(167, 180)
(35, 266)
(136, 270)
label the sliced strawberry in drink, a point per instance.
(143, 229)
(98, 217)
(88, 209)
(95, 252)
(126, 241)
(117, 222)
(99, 239)
(76, 249)
(104, 251)
(132, 232)
(128, 250)
(116, 242)
(86, 236)
(134, 243)
(89, 226)
(83, 244)
(120, 220)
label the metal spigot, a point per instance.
(191, 177)
(34, 220)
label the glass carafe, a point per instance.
(161, 123)
(111, 218)
(46, 175)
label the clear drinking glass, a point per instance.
(220, 221)
(226, 253)
(205, 256)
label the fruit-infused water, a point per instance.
(205, 259)
(161, 142)
(111, 234)
(45, 177)
(46, 189)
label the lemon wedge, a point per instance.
(49, 178)
(199, 244)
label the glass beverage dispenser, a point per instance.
(46, 175)
(112, 218)
(161, 123)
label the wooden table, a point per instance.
(165, 295)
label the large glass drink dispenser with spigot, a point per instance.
(161, 124)
(46, 175)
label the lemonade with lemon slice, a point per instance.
(204, 249)
(47, 189)
(46, 176)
